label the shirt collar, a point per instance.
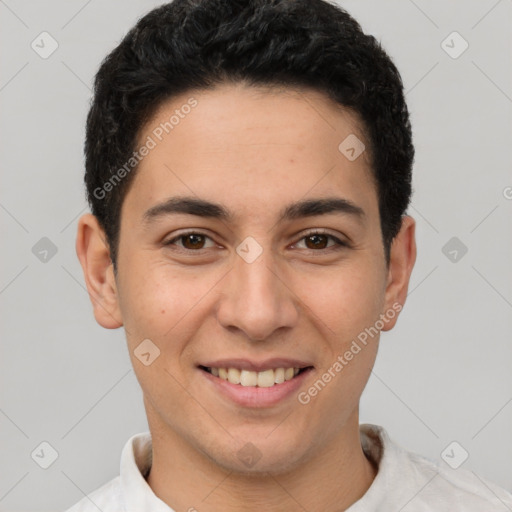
(136, 459)
(392, 462)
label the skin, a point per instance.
(254, 150)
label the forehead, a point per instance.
(247, 147)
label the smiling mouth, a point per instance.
(264, 379)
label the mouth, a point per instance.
(255, 384)
(266, 378)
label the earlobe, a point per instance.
(402, 259)
(94, 255)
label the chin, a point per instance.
(261, 456)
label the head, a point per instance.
(280, 131)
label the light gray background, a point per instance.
(443, 374)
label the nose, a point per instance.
(257, 299)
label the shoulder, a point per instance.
(106, 498)
(459, 489)
(413, 482)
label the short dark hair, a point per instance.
(198, 44)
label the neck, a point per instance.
(331, 479)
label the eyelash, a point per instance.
(339, 243)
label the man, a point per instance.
(248, 166)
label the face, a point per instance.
(274, 280)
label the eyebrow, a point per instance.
(300, 209)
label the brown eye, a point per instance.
(318, 241)
(191, 241)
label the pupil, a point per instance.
(316, 244)
(194, 239)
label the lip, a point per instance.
(253, 396)
(256, 366)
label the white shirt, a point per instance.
(405, 482)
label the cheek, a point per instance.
(346, 299)
(145, 305)
(158, 300)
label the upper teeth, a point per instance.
(264, 379)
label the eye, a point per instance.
(191, 241)
(317, 240)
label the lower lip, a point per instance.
(252, 396)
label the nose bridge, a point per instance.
(257, 301)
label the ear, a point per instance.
(94, 255)
(401, 263)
